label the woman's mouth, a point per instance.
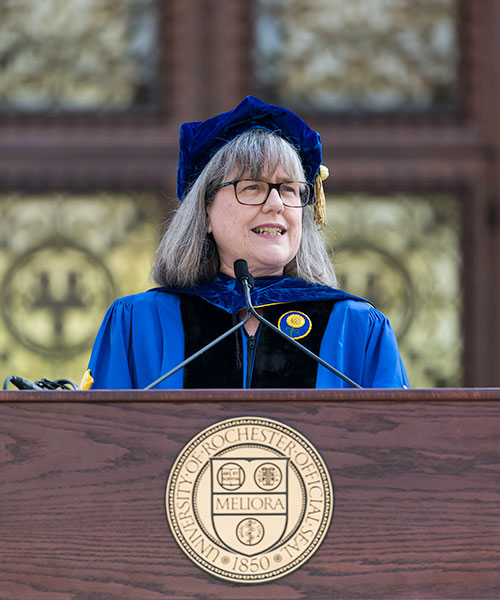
(269, 230)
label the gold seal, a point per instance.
(249, 499)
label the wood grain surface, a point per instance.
(416, 477)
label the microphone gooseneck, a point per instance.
(243, 276)
(247, 283)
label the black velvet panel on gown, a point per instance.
(277, 363)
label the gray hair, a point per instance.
(187, 254)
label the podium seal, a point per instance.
(249, 499)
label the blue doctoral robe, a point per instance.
(145, 335)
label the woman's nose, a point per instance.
(273, 202)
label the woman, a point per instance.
(249, 182)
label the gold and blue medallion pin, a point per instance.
(295, 324)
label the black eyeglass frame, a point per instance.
(270, 186)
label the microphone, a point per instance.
(241, 273)
(247, 283)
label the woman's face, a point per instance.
(266, 236)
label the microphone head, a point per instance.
(242, 273)
(240, 267)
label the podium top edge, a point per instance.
(256, 395)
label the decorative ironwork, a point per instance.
(361, 55)
(404, 255)
(78, 54)
(63, 260)
(50, 296)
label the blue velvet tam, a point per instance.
(200, 140)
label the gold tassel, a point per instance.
(319, 194)
(87, 380)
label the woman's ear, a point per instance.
(209, 220)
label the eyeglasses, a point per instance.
(252, 192)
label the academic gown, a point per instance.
(146, 335)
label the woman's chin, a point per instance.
(266, 269)
(265, 265)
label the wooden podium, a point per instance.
(416, 476)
